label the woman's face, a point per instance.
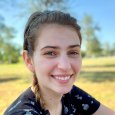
(57, 59)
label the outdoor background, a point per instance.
(97, 21)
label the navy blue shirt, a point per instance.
(76, 102)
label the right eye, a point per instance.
(50, 53)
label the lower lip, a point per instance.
(62, 81)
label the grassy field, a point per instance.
(97, 78)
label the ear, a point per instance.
(28, 61)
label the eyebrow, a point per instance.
(73, 46)
(56, 47)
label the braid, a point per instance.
(37, 91)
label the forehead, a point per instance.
(59, 35)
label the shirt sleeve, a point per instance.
(83, 102)
(22, 112)
(25, 104)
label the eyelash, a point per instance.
(50, 53)
(73, 53)
(53, 53)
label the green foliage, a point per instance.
(107, 50)
(113, 49)
(93, 46)
(8, 52)
(83, 53)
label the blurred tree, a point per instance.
(83, 53)
(93, 46)
(108, 50)
(8, 52)
(30, 6)
(46, 5)
(113, 49)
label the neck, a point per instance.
(52, 101)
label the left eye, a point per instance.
(73, 53)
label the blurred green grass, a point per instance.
(97, 78)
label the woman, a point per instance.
(51, 51)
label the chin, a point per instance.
(64, 90)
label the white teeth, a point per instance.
(62, 78)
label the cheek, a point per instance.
(77, 65)
(44, 66)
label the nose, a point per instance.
(64, 63)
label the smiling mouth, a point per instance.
(62, 77)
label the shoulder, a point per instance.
(25, 103)
(82, 101)
(104, 110)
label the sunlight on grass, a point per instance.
(102, 61)
(99, 69)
